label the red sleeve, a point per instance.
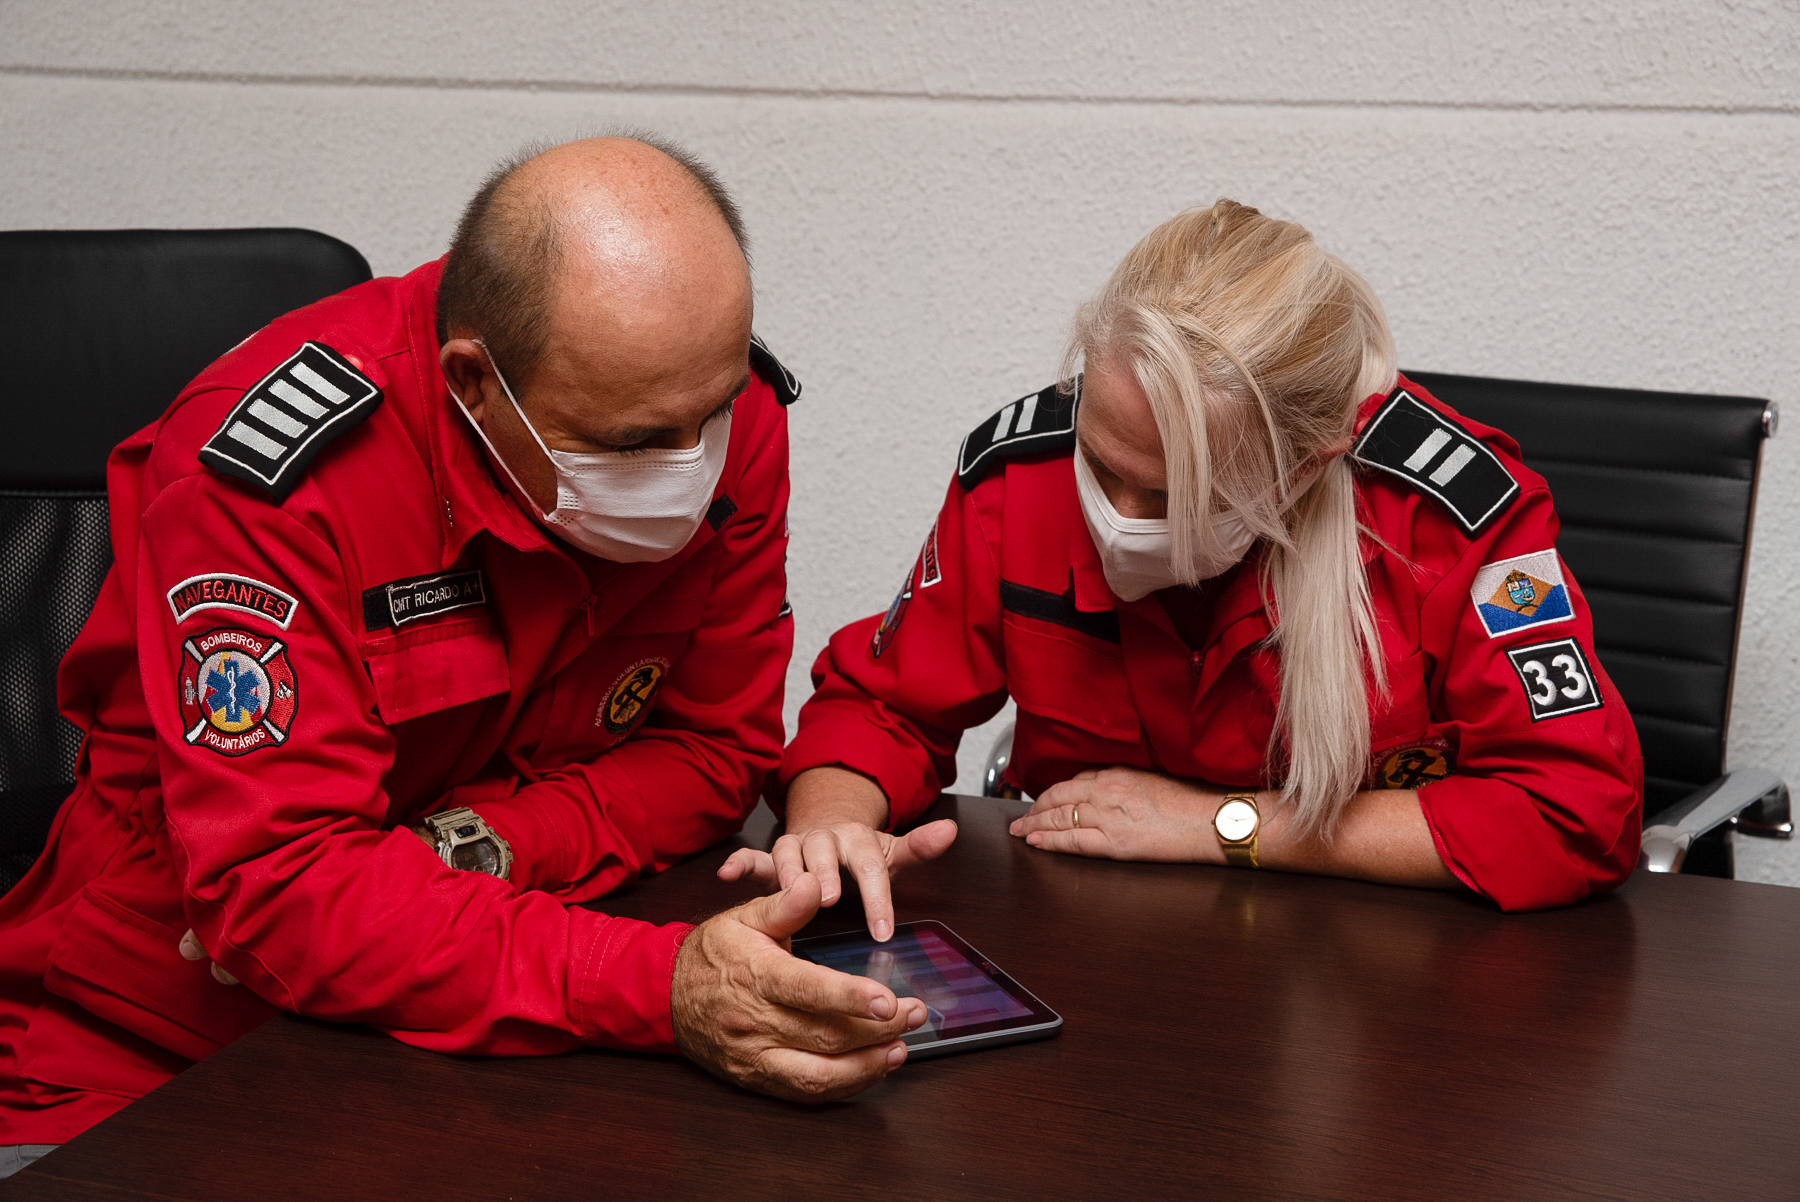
(894, 693)
(288, 876)
(693, 771)
(1544, 806)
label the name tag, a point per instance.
(391, 606)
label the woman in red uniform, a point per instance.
(1261, 601)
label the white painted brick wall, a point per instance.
(1603, 193)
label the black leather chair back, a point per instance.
(106, 327)
(1656, 491)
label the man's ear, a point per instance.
(465, 365)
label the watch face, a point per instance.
(479, 856)
(1235, 821)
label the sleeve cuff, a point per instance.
(1493, 838)
(621, 973)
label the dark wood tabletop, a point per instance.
(1227, 1034)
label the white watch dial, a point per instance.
(1235, 821)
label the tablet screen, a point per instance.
(964, 994)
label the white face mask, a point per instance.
(1135, 553)
(626, 506)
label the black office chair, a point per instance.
(105, 328)
(1657, 492)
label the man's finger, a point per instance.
(814, 989)
(814, 1078)
(190, 947)
(779, 915)
(789, 862)
(748, 862)
(821, 848)
(223, 977)
(1083, 841)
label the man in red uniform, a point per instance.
(438, 606)
(1502, 758)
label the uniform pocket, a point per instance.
(1070, 680)
(452, 666)
(114, 970)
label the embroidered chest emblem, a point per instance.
(238, 691)
(631, 695)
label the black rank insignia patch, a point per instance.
(405, 601)
(772, 373)
(1556, 677)
(1032, 425)
(292, 414)
(1409, 439)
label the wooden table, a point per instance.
(1228, 1034)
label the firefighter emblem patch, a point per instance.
(1413, 768)
(1526, 590)
(631, 695)
(890, 621)
(238, 691)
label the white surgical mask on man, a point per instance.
(626, 506)
(1136, 553)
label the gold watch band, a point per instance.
(1241, 853)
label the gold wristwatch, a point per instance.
(464, 840)
(1235, 823)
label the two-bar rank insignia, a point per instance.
(1409, 439)
(290, 416)
(1032, 425)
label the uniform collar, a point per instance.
(471, 498)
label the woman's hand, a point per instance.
(1125, 814)
(833, 820)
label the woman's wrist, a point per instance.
(831, 795)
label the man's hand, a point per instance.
(833, 816)
(1125, 814)
(750, 1013)
(191, 950)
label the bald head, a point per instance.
(628, 231)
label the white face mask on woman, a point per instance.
(1135, 553)
(626, 506)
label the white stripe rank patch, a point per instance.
(1409, 439)
(1526, 590)
(293, 413)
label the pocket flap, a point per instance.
(125, 968)
(416, 678)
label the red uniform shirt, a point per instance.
(271, 691)
(1541, 802)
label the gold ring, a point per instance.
(1075, 813)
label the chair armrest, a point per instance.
(998, 757)
(1668, 835)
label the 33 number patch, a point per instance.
(1556, 677)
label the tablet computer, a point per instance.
(969, 1003)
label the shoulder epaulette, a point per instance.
(1032, 425)
(787, 388)
(293, 413)
(1436, 455)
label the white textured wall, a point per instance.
(1600, 193)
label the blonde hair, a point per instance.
(1255, 348)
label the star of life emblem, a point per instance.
(238, 691)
